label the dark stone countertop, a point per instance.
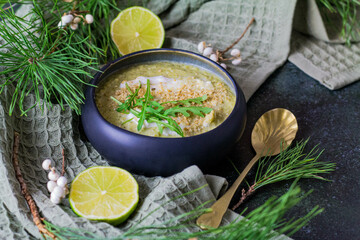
(330, 119)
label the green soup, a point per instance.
(169, 81)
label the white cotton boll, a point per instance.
(51, 185)
(61, 25)
(77, 20)
(235, 52)
(89, 18)
(74, 26)
(201, 46)
(46, 164)
(55, 199)
(67, 19)
(236, 61)
(62, 181)
(223, 65)
(53, 176)
(214, 57)
(58, 191)
(208, 51)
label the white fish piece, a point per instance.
(168, 132)
(149, 125)
(131, 116)
(154, 81)
(164, 83)
(136, 120)
(209, 118)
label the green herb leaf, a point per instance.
(153, 111)
(129, 120)
(130, 101)
(145, 103)
(187, 102)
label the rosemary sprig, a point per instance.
(265, 222)
(291, 163)
(152, 111)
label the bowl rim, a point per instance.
(239, 95)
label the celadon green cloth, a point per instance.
(283, 29)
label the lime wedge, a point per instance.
(104, 193)
(135, 29)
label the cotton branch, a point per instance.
(24, 190)
(237, 40)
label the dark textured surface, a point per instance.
(332, 120)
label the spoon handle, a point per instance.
(213, 219)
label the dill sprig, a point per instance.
(291, 163)
(152, 111)
(265, 222)
(347, 9)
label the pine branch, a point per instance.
(265, 222)
(38, 58)
(347, 10)
(99, 31)
(291, 163)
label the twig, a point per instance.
(237, 40)
(24, 190)
(244, 195)
(11, 6)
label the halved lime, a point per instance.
(135, 29)
(104, 193)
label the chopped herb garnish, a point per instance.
(144, 104)
(153, 111)
(184, 110)
(129, 120)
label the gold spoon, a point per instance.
(273, 132)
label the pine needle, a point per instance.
(291, 163)
(347, 9)
(51, 63)
(265, 222)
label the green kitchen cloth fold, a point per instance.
(275, 35)
(294, 30)
(318, 49)
(44, 135)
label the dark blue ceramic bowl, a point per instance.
(162, 156)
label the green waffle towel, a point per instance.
(283, 29)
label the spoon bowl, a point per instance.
(273, 132)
